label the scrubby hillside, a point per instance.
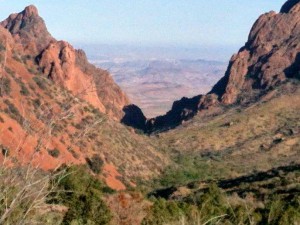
(57, 108)
(236, 150)
(259, 129)
(235, 141)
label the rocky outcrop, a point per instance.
(67, 67)
(270, 57)
(134, 117)
(109, 93)
(182, 110)
(29, 29)
(57, 62)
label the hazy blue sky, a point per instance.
(175, 22)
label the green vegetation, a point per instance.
(32, 71)
(5, 86)
(24, 91)
(41, 82)
(67, 197)
(26, 57)
(83, 195)
(2, 47)
(74, 154)
(22, 196)
(54, 153)
(13, 112)
(166, 212)
(10, 72)
(95, 163)
(36, 103)
(213, 206)
(189, 168)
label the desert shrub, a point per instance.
(22, 195)
(5, 86)
(79, 126)
(54, 153)
(213, 206)
(13, 112)
(282, 211)
(1, 120)
(72, 151)
(17, 57)
(166, 212)
(95, 163)
(5, 151)
(10, 72)
(57, 129)
(188, 169)
(2, 47)
(96, 112)
(36, 103)
(209, 207)
(26, 57)
(24, 91)
(32, 71)
(41, 82)
(82, 194)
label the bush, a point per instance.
(212, 203)
(13, 112)
(72, 151)
(10, 72)
(282, 211)
(95, 164)
(188, 169)
(5, 151)
(22, 195)
(26, 57)
(41, 82)
(5, 86)
(54, 153)
(82, 194)
(166, 212)
(2, 47)
(24, 91)
(36, 103)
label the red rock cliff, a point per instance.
(67, 67)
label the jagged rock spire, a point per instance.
(30, 29)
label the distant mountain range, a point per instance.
(154, 84)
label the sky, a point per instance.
(148, 22)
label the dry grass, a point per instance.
(257, 137)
